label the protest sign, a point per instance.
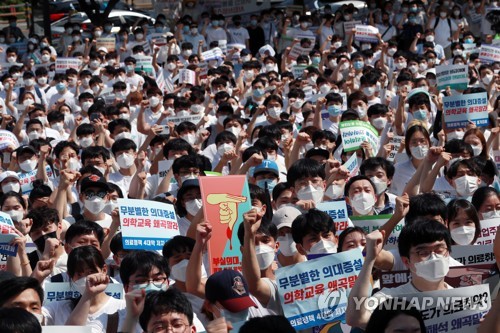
(298, 50)
(453, 76)
(146, 225)
(213, 54)
(225, 200)
(307, 289)
(489, 54)
(496, 155)
(473, 254)
(144, 64)
(26, 179)
(187, 76)
(348, 26)
(8, 139)
(469, 49)
(7, 234)
(64, 329)
(163, 167)
(194, 118)
(62, 64)
(352, 165)
(60, 291)
(460, 109)
(355, 132)
(298, 70)
(396, 141)
(223, 45)
(366, 34)
(109, 43)
(374, 222)
(337, 210)
(488, 231)
(236, 46)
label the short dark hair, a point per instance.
(267, 228)
(425, 204)
(305, 168)
(355, 179)
(422, 231)
(82, 257)
(469, 163)
(347, 232)
(267, 324)
(385, 313)
(15, 320)
(13, 287)
(64, 144)
(141, 261)
(171, 300)
(373, 163)
(123, 145)
(42, 216)
(84, 227)
(178, 244)
(315, 221)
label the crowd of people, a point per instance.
(262, 95)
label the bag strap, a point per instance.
(112, 326)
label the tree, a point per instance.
(93, 10)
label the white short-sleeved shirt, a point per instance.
(404, 171)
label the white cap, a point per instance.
(285, 216)
(6, 174)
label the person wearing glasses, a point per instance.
(424, 247)
(94, 194)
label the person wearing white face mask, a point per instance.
(38, 94)
(125, 152)
(188, 204)
(226, 153)
(307, 176)
(464, 177)
(352, 238)
(9, 181)
(287, 250)
(369, 88)
(361, 195)
(94, 193)
(424, 247)
(476, 139)
(314, 233)
(380, 171)
(132, 79)
(377, 114)
(486, 200)
(463, 222)
(359, 102)
(152, 111)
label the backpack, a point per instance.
(37, 90)
(437, 22)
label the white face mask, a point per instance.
(110, 206)
(125, 160)
(463, 235)
(184, 178)
(379, 123)
(123, 135)
(42, 81)
(235, 130)
(39, 317)
(189, 138)
(334, 191)
(477, 149)
(197, 108)
(154, 101)
(324, 89)
(419, 152)
(455, 135)
(178, 271)
(86, 105)
(363, 202)
(95, 205)
(311, 193)
(15, 215)
(194, 206)
(265, 256)
(12, 186)
(466, 185)
(80, 285)
(74, 164)
(274, 112)
(223, 148)
(323, 247)
(86, 141)
(433, 269)
(58, 127)
(361, 111)
(380, 186)
(28, 165)
(286, 245)
(220, 120)
(491, 214)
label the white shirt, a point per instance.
(215, 35)
(404, 171)
(122, 181)
(239, 35)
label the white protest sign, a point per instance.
(374, 222)
(27, 178)
(7, 234)
(298, 50)
(473, 254)
(489, 54)
(454, 76)
(194, 118)
(187, 76)
(355, 132)
(147, 225)
(458, 110)
(223, 45)
(109, 43)
(337, 210)
(236, 46)
(62, 64)
(468, 49)
(298, 70)
(163, 167)
(348, 26)
(396, 141)
(488, 231)
(352, 165)
(8, 139)
(213, 54)
(144, 64)
(366, 33)
(59, 291)
(64, 329)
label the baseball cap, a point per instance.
(25, 149)
(285, 216)
(186, 185)
(6, 174)
(93, 181)
(267, 166)
(103, 49)
(316, 151)
(229, 288)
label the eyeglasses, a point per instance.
(175, 326)
(90, 194)
(426, 253)
(157, 281)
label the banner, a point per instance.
(355, 132)
(7, 234)
(374, 222)
(225, 200)
(163, 167)
(60, 291)
(489, 54)
(473, 254)
(453, 76)
(366, 34)
(107, 42)
(146, 225)
(187, 76)
(488, 231)
(315, 292)
(460, 109)
(144, 64)
(194, 118)
(27, 178)
(337, 210)
(240, 7)
(8, 139)
(62, 64)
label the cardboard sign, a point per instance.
(225, 200)
(489, 54)
(146, 225)
(107, 42)
(454, 76)
(187, 76)
(355, 132)
(315, 292)
(62, 64)
(460, 109)
(337, 210)
(366, 34)
(488, 231)
(60, 291)
(8, 139)
(374, 222)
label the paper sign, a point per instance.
(396, 140)
(62, 64)
(163, 167)
(348, 26)
(107, 42)
(194, 118)
(469, 49)
(366, 33)
(489, 54)
(298, 50)
(8, 139)
(374, 222)
(236, 46)
(225, 200)
(473, 254)
(223, 45)
(460, 109)
(355, 132)
(315, 292)
(496, 155)
(298, 70)
(144, 64)
(64, 329)
(337, 210)
(213, 54)
(7, 234)
(147, 225)
(187, 76)
(352, 165)
(454, 76)
(60, 291)
(488, 231)
(27, 178)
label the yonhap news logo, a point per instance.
(332, 304)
